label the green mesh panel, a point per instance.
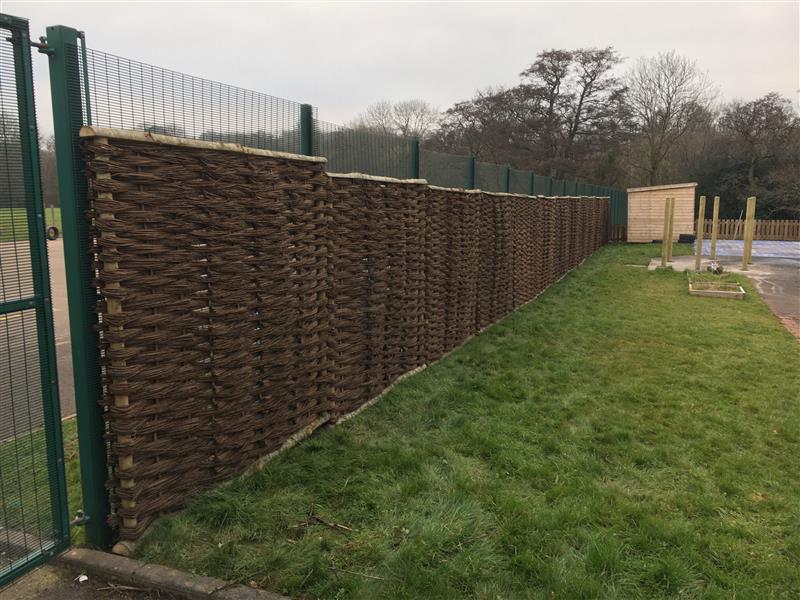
(490, 177)
(350, 150)
(445, 170)
(519, 182)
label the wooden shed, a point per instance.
(646, 211)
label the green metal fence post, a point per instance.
(414, 158)
(471, 173)
(531, 177)
(508, 179)
(67, 119)
(306, 130)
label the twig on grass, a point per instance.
(359, 574)
(335, 526)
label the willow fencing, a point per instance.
(247, 296)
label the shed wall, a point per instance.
(646, 213)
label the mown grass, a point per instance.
(615, 438)
(25, 482)
(14, 223)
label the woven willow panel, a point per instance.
(247, 299)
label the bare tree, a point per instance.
(566, 119)
(760, 131)
(407, 118)
(668, 95)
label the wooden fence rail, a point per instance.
(733, 229)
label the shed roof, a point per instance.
(671, 186)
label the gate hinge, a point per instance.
(42, 46)
(80, 519)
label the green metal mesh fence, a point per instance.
(32, 511)
(490, 177)
(128, 94)
(446, 170)
(519, 182)
(571, 188)
(541, 185)
(350, 150)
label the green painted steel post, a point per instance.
(471, 173)
(508, 178)
(414, 158)
(531, 177)
(306, 130)
(67, 119)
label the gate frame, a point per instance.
(41, 299)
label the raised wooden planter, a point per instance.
(716, 289)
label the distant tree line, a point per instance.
(572, 116)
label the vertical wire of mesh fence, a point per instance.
(445, 170)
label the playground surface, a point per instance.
(761, 249)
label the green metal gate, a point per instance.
(33, 504)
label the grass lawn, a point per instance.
(615, 438)
(25, 486)
(14, 223)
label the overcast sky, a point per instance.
(341, 57)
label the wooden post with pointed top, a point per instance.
(670, 229)
(749, 229)
(701, 214)
(665, 233)
(714, 228)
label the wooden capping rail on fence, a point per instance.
(247, 297)
(764, 229)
